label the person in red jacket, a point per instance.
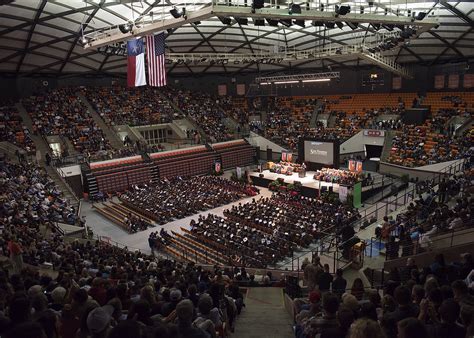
(16, 255)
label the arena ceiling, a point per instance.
(44, 36)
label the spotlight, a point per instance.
(84, 40)
(279, 60)
(300, 23)
(286, 22)
(242, 21)
(371, 3)
(342, 10)
(339, 24)
(225, 20)
(321, 7)
(318, 23)
(236, 62)
(294, 9)
(258, 22)
(125, 28)
(177, 14)
(420, 16)
(353, 25)
(272, 22)
(329, 24)
(386, 11)
(361, 9)
(225, 61)
(203, 60)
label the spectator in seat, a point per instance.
(449, 313)
(461, 293)
(363, 328)
(184, 328)
(357, 289)
(412, 328)
(404, 310)
(327, 320)
(345, 318)
(208, 318)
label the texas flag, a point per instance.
(136, 63)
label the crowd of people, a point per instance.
(60, 112)
(181, 197)
(13, 130)
(102, 291)
(418, 302)
(432, 213)
(422, 145)
(95, 289)
(138, 106)
(206, 110)
(261, 233)
(337, 176)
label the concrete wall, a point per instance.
(422, 173)
(356, 143)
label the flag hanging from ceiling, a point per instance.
(155, 50)
(135, 63)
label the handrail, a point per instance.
(68, 187)
(451, 234)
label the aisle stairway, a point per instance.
(264, 315)
(43, 147)
(111, 136)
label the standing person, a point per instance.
(339, 284)
(48, 159)
(16, 255)
(442, 190)
(325, 279)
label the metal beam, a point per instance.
(446, 42)
(457, 12)
(30, 34)
(74, 43)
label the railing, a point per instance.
(451, 235)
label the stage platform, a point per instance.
(309, 185)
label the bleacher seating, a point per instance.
(236, 153)
(13, 130)
(184, 162)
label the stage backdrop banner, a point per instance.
(283, 156)
(342, 193)
(289, 157)
(359, 166)
(241, 89)
(352, 165)
(357, 195)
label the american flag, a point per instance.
(155, 53)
